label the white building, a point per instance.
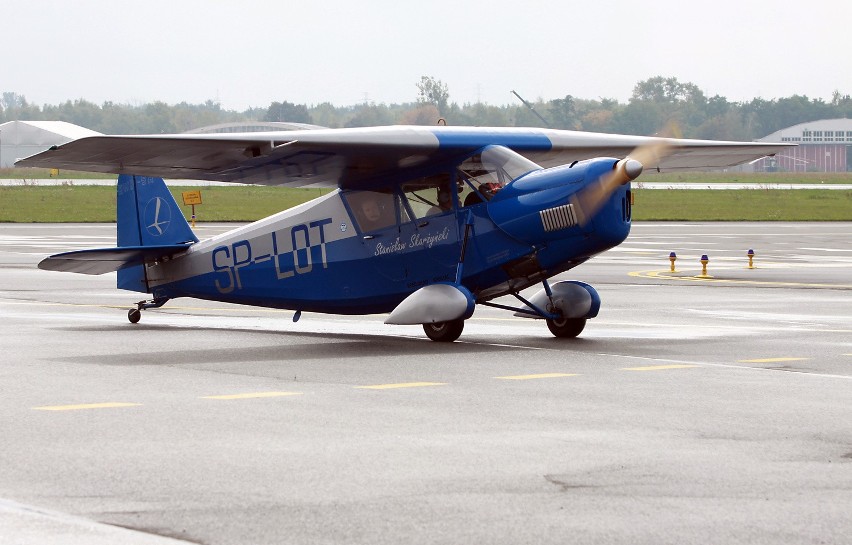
(19, 139)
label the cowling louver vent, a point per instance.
(560, 217)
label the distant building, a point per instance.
(823, 146)
(19, 139)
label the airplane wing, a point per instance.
(104, 260)
(349, 157)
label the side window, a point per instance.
(374, 210)
(429, 196)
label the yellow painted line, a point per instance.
(401, 385)
(253, 395)
(666, 275)
(86, 406)
(658, 367)
(771, 360)
(541, 375)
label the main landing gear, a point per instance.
(566, 328)
(135, 314)
(565, 307)
(444, 332)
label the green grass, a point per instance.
(89, 203)
(26, 174)
(757, 178)
(743, 205)
(81, 203)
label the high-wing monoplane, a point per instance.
(423, 223)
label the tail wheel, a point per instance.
(566, 328)
(133, 315)
(444, 332)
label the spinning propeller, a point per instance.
(591, 198)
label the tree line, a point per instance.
(654, 103)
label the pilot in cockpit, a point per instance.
(375, 210)
(371, 210)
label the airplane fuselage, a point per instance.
(315, 257)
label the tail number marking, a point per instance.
(306, 241)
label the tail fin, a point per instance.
(146, 215)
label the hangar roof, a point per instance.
(62, 129)
(19, 139)
(814, 132)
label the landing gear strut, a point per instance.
(552, 303)
(135, 314)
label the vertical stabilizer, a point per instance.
(146, 215)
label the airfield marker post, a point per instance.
(704, 262)
(672, 258)
(751, 259)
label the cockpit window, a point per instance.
(374, 210)
(488, 171)
(429, 196)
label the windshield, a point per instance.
(491, 169)
(502, 163)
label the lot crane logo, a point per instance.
(158, 215)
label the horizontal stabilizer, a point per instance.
(104, 260)
(433, 304)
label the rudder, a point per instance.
(146, 215)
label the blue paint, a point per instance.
(147, 215)
(473, 140)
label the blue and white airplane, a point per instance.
(424, 222)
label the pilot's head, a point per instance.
(444, 199)
(371, 210)
(489, 189)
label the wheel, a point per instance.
(444, 332)
(566, 328)
(134, 315)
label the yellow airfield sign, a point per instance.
(191, 197)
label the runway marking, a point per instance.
(501, 345)
(771, 360)
(664, 275)
(729, 366)
(401, 385)
(85, 406)
(659, 367)
(253, 395)
(540, 375)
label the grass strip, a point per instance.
(96, 204)
(742, 205)
(87, 204)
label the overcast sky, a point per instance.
(250, 53)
